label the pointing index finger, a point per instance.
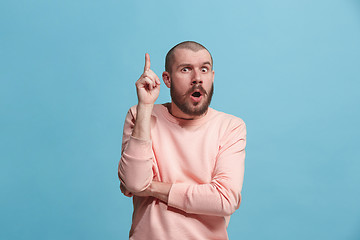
(147, 62)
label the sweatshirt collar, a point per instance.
(183, 122)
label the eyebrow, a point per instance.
(188, 64)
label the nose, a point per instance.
(197, 78)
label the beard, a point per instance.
(186, 106)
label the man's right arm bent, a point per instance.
(135, 167)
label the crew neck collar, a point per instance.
(165, 111)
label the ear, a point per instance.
(166, 79)
(213, 75)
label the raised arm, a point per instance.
(147, 88)
(135, 166)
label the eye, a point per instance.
(185, 69)
(204, 69)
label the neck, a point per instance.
(176, 112)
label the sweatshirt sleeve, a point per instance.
(135, 166)
(222, 196)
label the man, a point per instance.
(183, 162)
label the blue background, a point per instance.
(290, 69)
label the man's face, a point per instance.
(192, 78)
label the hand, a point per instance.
(145, 193)
(159, 190)
(125, 191)
(148, 85)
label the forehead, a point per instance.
(187, 56)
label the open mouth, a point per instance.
(196, 94)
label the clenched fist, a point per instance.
(148, 85)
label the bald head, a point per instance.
(190, 45)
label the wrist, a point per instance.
(146, 104)
(144, 109)
(160, 190)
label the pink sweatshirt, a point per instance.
(204, 161)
